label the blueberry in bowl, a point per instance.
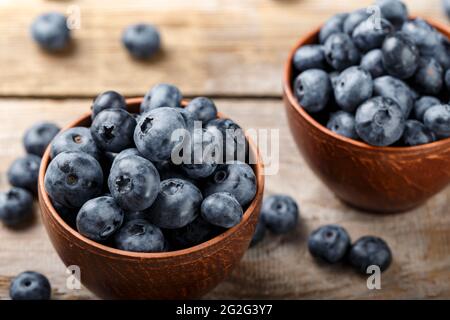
(124, 229)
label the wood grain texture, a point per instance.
(279, 267)
(214, 47)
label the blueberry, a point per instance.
(50, 31)
(139, 235)
(441, 52)
(368, 251)
(447, 79)
(368, 36)
(134, 183)
(77, 139)
(236, 178)
(260, 231)
(354, 19)
(30, 285)
(446, 6)
(141, 40)
(437, 119)
(16, 206)
(203, 109)
(153, 133)
(222, 209)
(310, 56)
(395, 89)
(113, 130)
(168, 170)
(108, 100)
(39, 136)
(393, 10)
(400, 55)
(313, 89)
(416, 133)
(189, 119)
(279, 213)
(423, 104)
(329, 243)
(161, 95)
(353, 87)
(343, 123)
(341, 52)
(424, 36)
(333, 25)
(372, 61)
(177, 204)
(72, 178)
(125, 153)
(380, 121)
(428, 78)
(24, 172)
(99, 218)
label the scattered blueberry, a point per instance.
(397, 90)
(260, 232)
(24, 172)
(354, 19)
(329, 243)
(16, 206)
(141, 40)
(429, 75)
(423, 104)
(333, 25)
(161, 95)
(203, 109)
(310, 56)
(354, 86)
(280, 213)
(30, 285)
(222, 209)
(400, 55)
(368, 251)
(39, 136)
(393, 10)
(437, 119)
(341, 52)
(372, 61)
(139, 235)
(343, 123)
(313, 89)
(77, 139)
(108, 100)
(50, 31)
(368, 36)
(416, 133)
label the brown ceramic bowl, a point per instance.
(115, 274)
(380, 179)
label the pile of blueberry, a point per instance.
(386, 82)
(332, 244)
(122, 182)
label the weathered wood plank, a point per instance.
(280, 267)
(216, 47)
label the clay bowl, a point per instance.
(115, 274)
(379, 179)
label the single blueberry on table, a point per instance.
(236, 178)
(30, 285)
(372, 61)
(203, 109)
(16, 206)
(353, 87)
(437, 119)
(343, 123)
(177, 205)
(429, 75)
(424, 36)
(72, 178)
(50, 31)
(367, 35)
(330, 243)
(380, 121)
(99, 218)
(125, 153)
(153, 133)
(333, 25)
(341, 52)
(108, 100)
(422, 104)
(370, 251)
(310, 56)
(161, 95)
(354, 19)
(260, 232)
(280, 213)
(416, 133)
(39, 136)
(24, 172)
(139, 235)
(113, 130)
(400, 55)
(397, 90)
(222, 209)
(393, 10)
(141, 40)
(313, 89)
(134, 183)
(77, 139)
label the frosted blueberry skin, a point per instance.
(354, 19)
(161, 95)
(343, 123)
(77, 139)
(30, 285)
(333, 25)
(312, 89)
(437, 119)
(416, 133)
(221, 209)
(24, 172)
(329, 243)
(367, 36)
(424, 36)
(341, 52)
(139, 235)
(280, 213)
(126, 153)
(394, 11)
(310, 56)
(368, 251)
(372, 61)
(50, 31)
(397, 90)
(202, 109)
(39, 136)
(108, 100)
(429, 76)
(141, 40)
(354, 86)
(422, 104)
(400, 55)
(380, 121)
(16, 206)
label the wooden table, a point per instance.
(233, 51)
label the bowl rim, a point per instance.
(249, 212)
(288, 92)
